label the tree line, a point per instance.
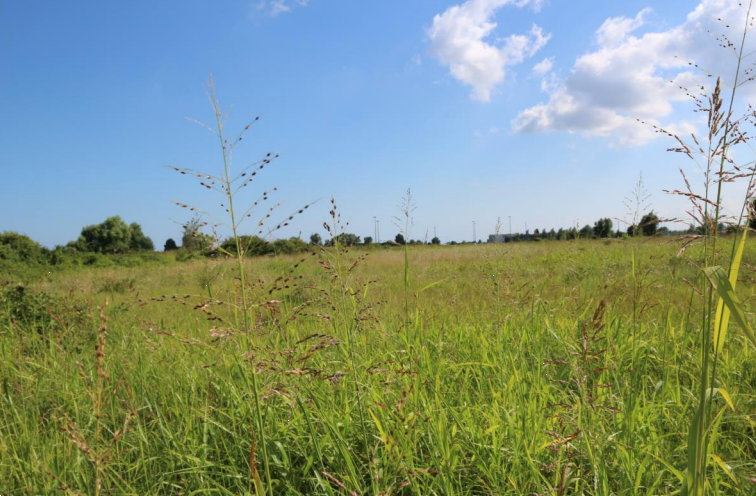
(114, 236)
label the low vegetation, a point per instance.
(527, 375)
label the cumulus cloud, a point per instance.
(627, 77)
(615, 29)
(459, 39)
(544, 67)
(275, 8)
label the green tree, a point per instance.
(113, 236)
(586, 231)
(399, 239)
(368, 240)
(193, 238)
(649, 224)
(602, 228)
(139, 241)
(347, 239)
(289, 246)
(315, 239)
(435, 241)
(15, 247)
(170, 245)
(252, 246)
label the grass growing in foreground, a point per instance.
(524, 362)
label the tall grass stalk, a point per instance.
(723, 135)
(227, 187)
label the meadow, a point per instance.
(527, 368)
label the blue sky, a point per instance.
(362, 99)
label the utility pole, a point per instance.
(375, 228)
(474, 238)
(510, 225)
(378, 232)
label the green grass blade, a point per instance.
(722, 317)
(721, 284)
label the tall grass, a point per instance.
(524, 392)
(716, 155)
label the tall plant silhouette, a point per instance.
(230, 184)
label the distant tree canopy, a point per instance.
(170, 245)
(399, 239)
(602, 228)
(649, 224)
(290, 246)
(255, 246)
(586, 231)
(193, 238)
(435, 241)
(315, 239)
(113, 236)
(15, 247)
(251, 246)
(368, 240)
(346, 239)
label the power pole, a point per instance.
(378, 232)
(375, 228)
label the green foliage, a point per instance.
(368, 240)
(435, 241)
(193, 239)
(112, 236)
(252, 246)
(347, 239)
(514, 399)
(586, 232)
(255, 246)
(399, 239)
(19, 248)
(290, 246)
(170, 245)
(649, 224)
(315, 239)
(602, 228)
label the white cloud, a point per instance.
(544, 67)
(275, 8)
(459, 40)
(615, 29)
(627, 77)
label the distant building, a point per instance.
(497, 238)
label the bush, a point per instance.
(19, 248)
(112, 236)
(251, 246)
(290, 246)
(170, 245)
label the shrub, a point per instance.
(16, 247)
(170, 245)
(112, 236)
(290, 246)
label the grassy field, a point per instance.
(532, 368)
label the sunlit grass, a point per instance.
(519, 385)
